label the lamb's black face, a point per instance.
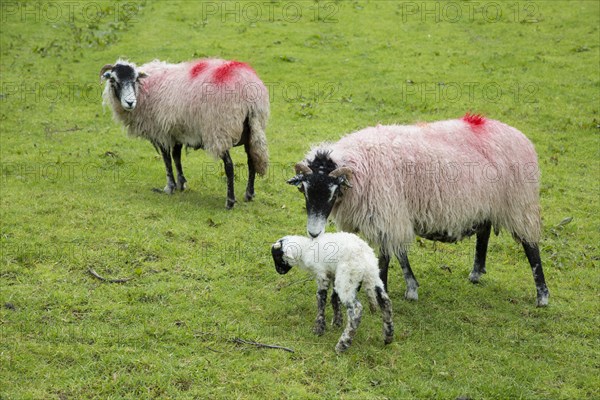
(321, 182)
(124, 80)
(281, 266)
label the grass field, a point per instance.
(75, 194)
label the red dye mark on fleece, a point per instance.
(198, 68)
(474, 119)
(225, 71)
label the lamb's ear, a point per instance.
(142, 75)
(343, 175)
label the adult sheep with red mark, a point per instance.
(441, 181)
(210, 104)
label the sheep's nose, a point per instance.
(129, 103)
(313, 235)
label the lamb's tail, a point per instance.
(372, 296)
(259, 152)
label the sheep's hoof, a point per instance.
(411, 294)
(542, 298)
(169, 189)
(229, 203)
(475, 276)
(249, 196)
(181, 185)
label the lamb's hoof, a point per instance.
(229, 203)
(411, 294)
(342, 346)
(388, 334)
(475, 276)
(319, 328)
(337, 322)
(249, 196)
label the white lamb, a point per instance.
(349, 262)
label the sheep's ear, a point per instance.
(296, 181)
(142, 75)
(302, 169)
(343, 175)
(343, 181)
(103, 70)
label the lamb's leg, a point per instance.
(229, 173)
(181, 181)
(322, 286)
(337, 320)
(533, 255)
(384, 263)
(166, 155)
(412, 285)
(354, 310)
(386, 310)
(251, 175)
(483, 237)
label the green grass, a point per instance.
(75, 194)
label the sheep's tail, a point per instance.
(259, 153)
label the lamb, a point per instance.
(211, 104)
(349, 262)
(441, 181)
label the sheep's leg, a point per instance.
(319, 328)
(251, 175)
(483, 237)
(386, 310)
(181, 181)
(354, 310)
(166, 155)
(337, 320)
(533, 255)
(384, 263)
(412, 285)
(229, 173)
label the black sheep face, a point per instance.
(124, 79)
(322, 183)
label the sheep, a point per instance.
(349, 262)
(211, 104)
(442, 181)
